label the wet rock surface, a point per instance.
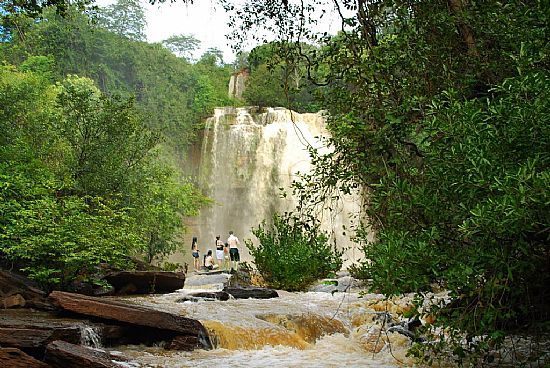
(15, 358)
(161, 325)
(145, 282)
(204, 296)
(251, 292)
(62, 354)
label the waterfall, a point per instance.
(90, 336)
(248, 156)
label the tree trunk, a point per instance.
(466, 32)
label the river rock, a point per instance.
(61, 354)
(145, 282)
(204, 295)
(161, 325)
(208, 281)
(341, 284)
(36, 336)
(15, 358)
(18, 291)
(251, 292)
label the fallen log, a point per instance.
(61, 354)
(145, 282)
(251, 292)
(133, 314)
(15, 358)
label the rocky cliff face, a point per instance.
(248, 155)
(237, 83)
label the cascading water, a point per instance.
(90, 336)
(248, 156)
(311, 329)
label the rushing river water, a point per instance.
(311, 329)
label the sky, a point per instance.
(205, 21)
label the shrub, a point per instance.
(293, 252)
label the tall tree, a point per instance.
(213, 56)
(125, 18)
(182, 45)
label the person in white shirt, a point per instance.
(234, 256)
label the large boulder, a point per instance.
(251, 292)
(157, 324)
(145, 282)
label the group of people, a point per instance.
(227, 254)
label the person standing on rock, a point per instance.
(234, 243)
(219, 251)
(226, 266)
(195, 254)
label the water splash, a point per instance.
(90, 336)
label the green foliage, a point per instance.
(279, 78)
(182, 45)
(439, 114)
(56, 241)
(171, 95)
(264, 89)
(292, 252)
(173, 267)
(158, 201)
(124, 18)
(106, 141)
(79, 186)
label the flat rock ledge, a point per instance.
(179, 332)
(61, 354)
(145, 282)
(251, 292)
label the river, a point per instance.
(307, 329)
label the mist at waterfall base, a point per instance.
(246, 159)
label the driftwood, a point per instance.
(61, 354)
(251, 292)
(15, 358)
(146, 282)
(161, 324)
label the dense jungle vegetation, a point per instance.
(440, 117)
(439, 114)
(94, 127)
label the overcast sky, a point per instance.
(204, 20)
(208, 23)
